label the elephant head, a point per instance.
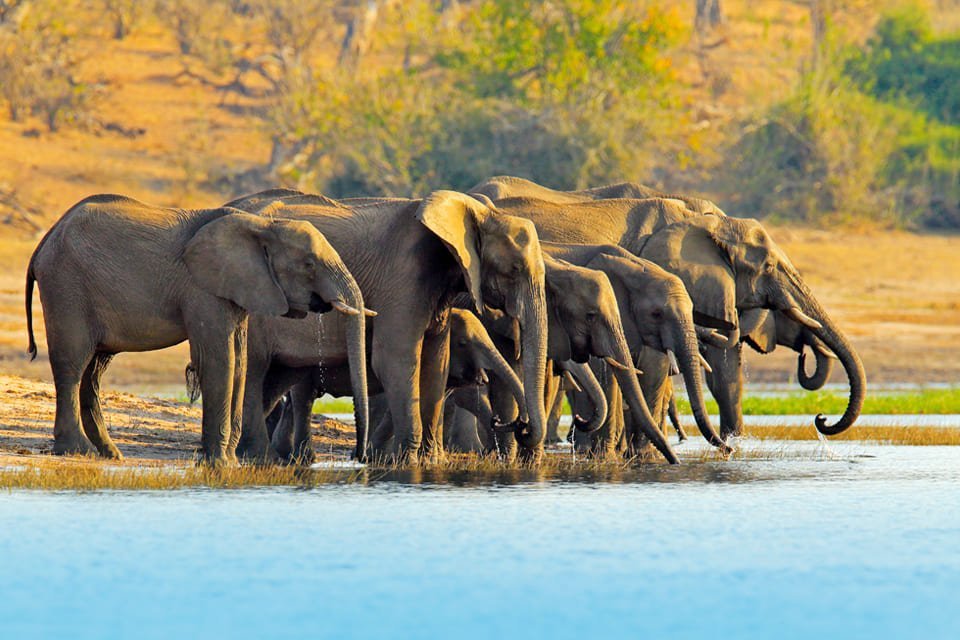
(502, 267)
(657, 313)
(731, 265)
(282, 267)
(472, 354)
(584, 322)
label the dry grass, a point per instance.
(913, 436)
(87, 475)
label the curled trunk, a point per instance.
(504, 374)
(591, 386)
(838, 343)
(824, 366)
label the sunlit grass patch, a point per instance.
(83, 475)
(924, 401)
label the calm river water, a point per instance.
(862, 543)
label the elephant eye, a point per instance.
(657, 313)
(462, 342)
(591, 316)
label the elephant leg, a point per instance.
(553, 419)
(396, 362)
(69, 358)
(302, 396)
(280, 427)
(554, 397)
(434, 366)
(90, 411)
(213, 352)
(656, 386)
(253, 443)
(726, 385)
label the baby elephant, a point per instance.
(118, 275)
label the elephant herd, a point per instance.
(458, 321)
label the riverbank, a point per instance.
(160, 437)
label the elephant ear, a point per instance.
(455, 218)
(690, 250)
(229, 258)
(761, 325)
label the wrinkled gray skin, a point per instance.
(118, 275)
(411, 258)
(472, 357)
(585, 322)
(501, 187)
(657, 315)
(728, 265)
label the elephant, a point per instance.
(472, 357)
(118, 275)
(411, 260)
(502, 187)
(657, 317)
(728, 265)
(726, 384)
(585, 322)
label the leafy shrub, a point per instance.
(861, 140)
(560, 92)
(39, 67)
(904, 60)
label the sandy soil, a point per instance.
(145, 429)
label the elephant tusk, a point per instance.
(344, 308)
(703, 362)
(617, 365)
(825, 352)
(672, 359)
(482, 377)
(711, 337)
(370, 313)
(794, 313)
(571, 383)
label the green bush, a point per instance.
(903, 60)
(559, 92)
(39, 62)
(873, 137)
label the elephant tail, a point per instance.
(28, 303)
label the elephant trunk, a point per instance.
(684, 338)
(495, 363)
(533, 325)
(824, 367)
(824, 328)
(591, 386)
(633, 396)
(349, 294)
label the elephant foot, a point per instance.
(257, 453)
(109, 451)
(69, 446)
(215, 461)
(531, 456)
(303, 455)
